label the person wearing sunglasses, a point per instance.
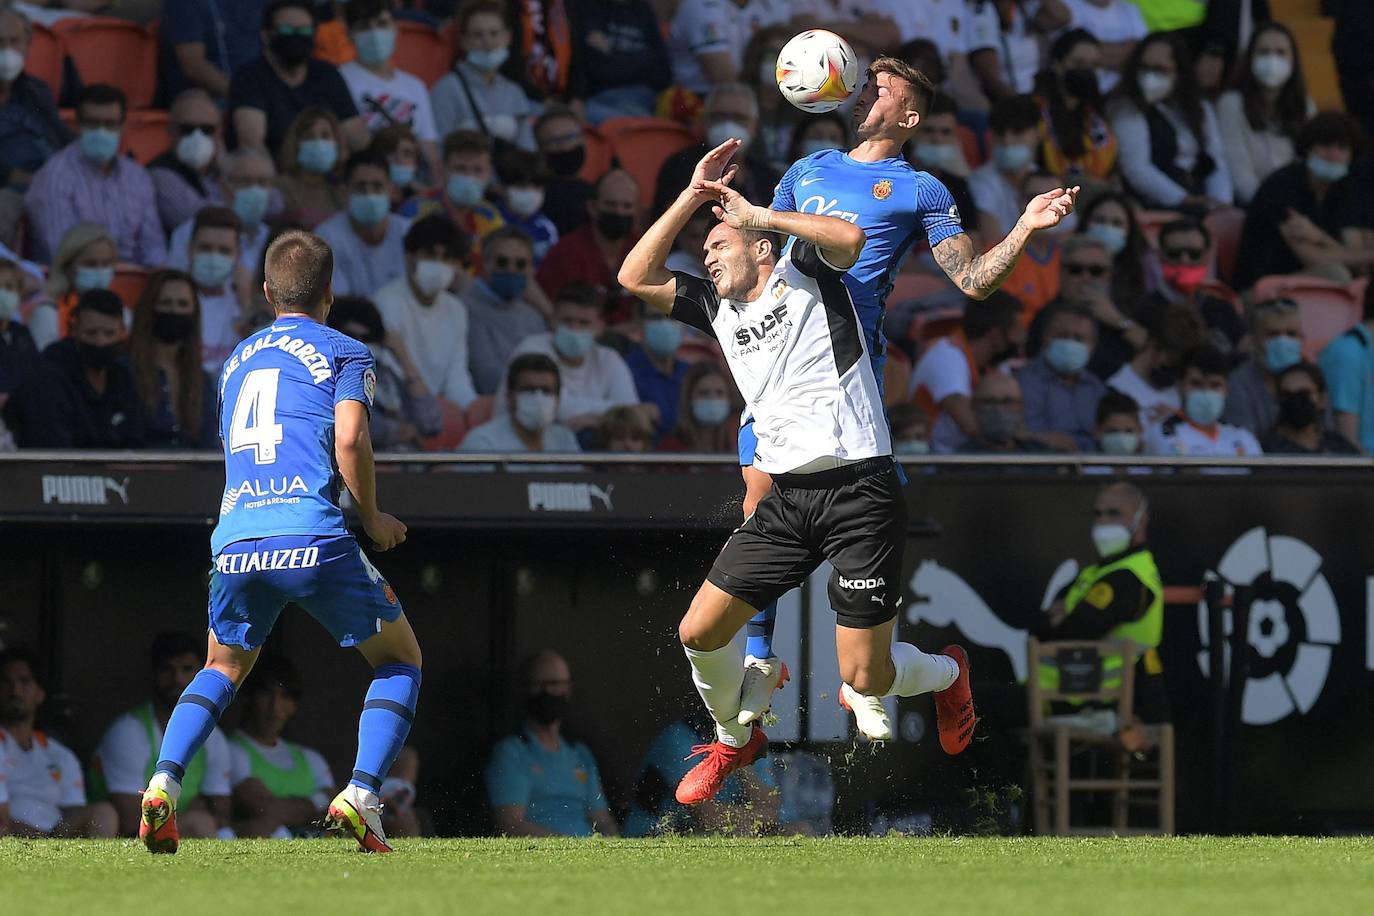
(1185, 248)
(502, 306)
(1087, 274)
(186, 178)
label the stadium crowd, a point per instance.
(479, 208)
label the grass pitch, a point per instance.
(696, 876)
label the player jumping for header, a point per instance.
(294, 400)
(873, 187)
(798, 353)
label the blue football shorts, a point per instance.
(329, 576)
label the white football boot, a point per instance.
(762, 676)
(870, 716)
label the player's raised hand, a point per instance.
(386, 531)
(733, 209)
(1045, 211)
(715, 166)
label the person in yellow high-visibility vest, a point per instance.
(1119, 597)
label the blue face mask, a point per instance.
(1013, 157)
(572, 344)
(210, 269)
(1067, 357)
(1204, 407)
(375, 46)
(1121, 442)
(98, 144)
(1282, 352)
(369, 209)
(88, 278)
(1325, 169)
(507, 284)
(1113, 238)
(662, 337)
(401, 175)
(487, 61)
(942, 156)
(464, 190)
(317, 156)
(710, 411)
(250, 204)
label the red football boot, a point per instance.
(954, 706)
(704, 780)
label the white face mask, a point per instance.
(1155, 87)
(1113, 538)
(535, 410)
(502, 126)
(1271, 70)
(9, 304)
(195, 150)
(720, 131)
(433, 277)
(525, 201)
(11, 64)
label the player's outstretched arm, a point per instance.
(353, 452)
(981, 275)
(840, 241)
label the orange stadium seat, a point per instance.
(422, 51)
(643, 144)
(451, 433)
(1225, 225)
(113, 51)
(45, 57)
(1328, 308)
(129, 282)
(599, 154)
(973, 151)
(481, 410)
(145, 134)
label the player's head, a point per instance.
(737, 259)
(1118, 424)
(1120, 516)
(270, 697)
(546, 682)
(21, 686)
(175, 658)
(299, 274)
(891, 102)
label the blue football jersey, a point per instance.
(893, 203)
(277, 394)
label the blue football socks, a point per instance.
(758, 633)
(192, 721)
(385, 722)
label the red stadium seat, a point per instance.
(1225, 226)
(1151, 221)
(599, 154)
(480, 411)
(973, 152)
(129, 282)
(145, 134)
(451, 433)
(45, 57)
(1328, 309)
(643, 144)
(422, 51)
(113, 51)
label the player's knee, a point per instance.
(695, 633)
(870, 680)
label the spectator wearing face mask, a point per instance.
(1000, 421)
(937, 150)
(1276, 340)
(658, 372)
(593, 253)
(247, 180)
(177, 395)
(428, 321)
(910, 430)
(397, 144)
(620, 62)
(1110, 218)
(1035, 280)
(83, 395)
(997, 185)
(404, 409)
(1185, 248)
(1076, 140)
(462, 193)
(475, 96)
(1261, 118)
(522, 205)
(707, 418)
(186, 178)
(594, 378)
(1300, 427)
(368, 240)
(311, 181)
(88, 181)
(819, 132)
(1059, 394)
(1150, 378)
(1118, 430)
(1172, 153)
(1197, 431)
(529, 421)
(624, 430)
(563, 148)
(1303, 218)
(215, 244)
(1085, 282)
(504, 306)
(1348, 364)
(85, 260)
(1117, 24)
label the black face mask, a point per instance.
(1162, 377)
(1081, 83)
(1297, 411)
(96, 357)
(567, 162)
(615, 226)
(546, 708)
(292, 50)
(170, 327)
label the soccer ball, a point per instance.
(817, 70)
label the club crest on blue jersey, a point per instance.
(882, 190)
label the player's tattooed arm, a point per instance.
(980, 275)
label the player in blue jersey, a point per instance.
(293, 416)
(896, 205)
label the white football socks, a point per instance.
(918, 672)
(166, 783)
(719, 675)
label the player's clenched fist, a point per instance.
(386, 531)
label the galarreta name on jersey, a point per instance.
(315, 362)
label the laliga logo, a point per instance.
(1294, 624)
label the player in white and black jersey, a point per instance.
(798, 354)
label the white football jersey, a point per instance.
(798, 355)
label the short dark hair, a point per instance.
(363, 159)
(1331, 129)
(27, 656)
(1114, 403)
(101, 302)
(1013, 113)
(437, 231)
(554, 112)
(998, 311)
(466, 141)
(521, 167)
(942, 104)
(1071, 309)
(103, 94)
(298, 268)
(358, 310)
(1307, 369)
(270, 671)
(171, 645)
(216, 218)
(921, 86)
(475, 7)
(776, 239)
(507, 234)
(269, 12)
(1207, 359)
(356, 11)
(578, 293)
(1185, 224)
(532, 362)
(389, 139)
(1176, 327)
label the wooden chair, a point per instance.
(1053, 744)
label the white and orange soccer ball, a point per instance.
(817, 70)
